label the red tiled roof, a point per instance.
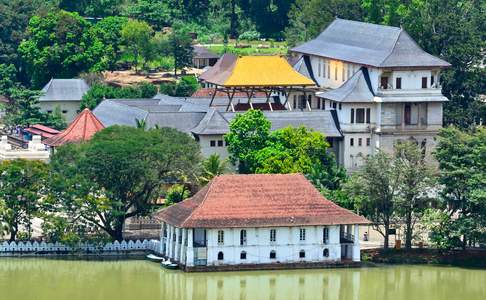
(208, 93)
(81, 129)
(43, 131)
(260, 200)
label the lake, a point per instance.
(42, 279)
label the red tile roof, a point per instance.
(81, 129)
(260, 200)
(208, 93)
(43, 131)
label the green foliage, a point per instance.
(137, 36)
(59, 45)
(100, 91)
(118, 173)
(177, 193)
(154, 12)
(181, 50)
(92, 8)
(462, 161)
(185, 87)
(24, 108)
(7, 78)
(211, 167)
(108, 32)
(307, 18)
(22, 186)
(250, 35)
(248, 134)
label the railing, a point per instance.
(347, 236)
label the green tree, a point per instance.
(307, 18)
(59, 45)
(119, 172)
(248, 134)
(155, 12)
(22, 185)
(137, 36)
(377, 183)
(416, 183)
(177, 193)
(211, 167)
(181, 50)
(23, 109)
(93, 8)
(462, 161)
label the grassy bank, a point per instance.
(468, 258)
(252, 48)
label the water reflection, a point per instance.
(53, 279)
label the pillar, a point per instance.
(183, 246)
(356, 247)
(177, 254)
(169, 242)
(162, 239)
(190, 249)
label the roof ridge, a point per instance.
(201, 203)
(394, 46)
(368, 23)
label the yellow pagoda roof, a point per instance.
(255, 71)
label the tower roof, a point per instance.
(81, 129)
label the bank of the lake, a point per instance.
(47, 279)
(470, 258)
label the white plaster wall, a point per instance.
(344, 71)
(287, 245)
(72, 108)
(207, 150)
(434, 114)
(353, 155)
(411, 80)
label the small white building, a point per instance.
(65, 94)
(258, 221)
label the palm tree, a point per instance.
(141, 124)
(212, 167)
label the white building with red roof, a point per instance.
(259, 221)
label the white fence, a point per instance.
(43, 247)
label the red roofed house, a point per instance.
(81, 129)
(255, 221)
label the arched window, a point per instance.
(325, 252)
(220, 255)
(302, 254)
(273, 254)
(243, 255)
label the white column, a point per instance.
(356, 247)
(162, 239)
(190, 249)
(177, 254)
(169, 241)
(183, 246)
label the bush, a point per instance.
(177, 193)
(99, 91)
(251, 35)
(185, 87)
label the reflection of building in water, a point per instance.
(252, 221)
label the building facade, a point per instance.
(255, 220)
(382, 85)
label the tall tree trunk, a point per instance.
(408, 230)
(386, 237)
(118, 230)
(13, 233)
(233, 21)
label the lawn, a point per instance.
(252, 48)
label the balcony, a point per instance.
(346, 238)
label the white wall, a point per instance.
(207, 149)
(71, 108)
(287, 245)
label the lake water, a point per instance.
(42, 279)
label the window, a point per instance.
(335, 73)
(352, 115)
(343, 72)
(301, 254)
(64, 111)
(368, 115)
(360, 115)
(324, 67)
(360, 142)
(328, 70)
(323, 104)
(432, 80)
(368, 141)
(318, 103)
(243, 255)
(49, 111)
(348, 71)
(398, 83)
(340, 106)
(325, 235)
(325, 252)
(273, 235)
(226, 143)
(220, 237)
(220, 255)
(220, 143)
(351, 142)
(212, 143)
(319, 68)
(424, 82)
(384, 82)
(273, 254)
(302, 234)
(309, 100)
(243, 237)
(295, 102)
(180, 238)
(334, 105)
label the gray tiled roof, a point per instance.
(64, 90)
(355, 89)
(212, 123)
(369, 44)
(111, 112)
(182, 121)
(203, 52)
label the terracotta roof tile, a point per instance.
(81, 129)
(260, 200)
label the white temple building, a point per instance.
(259, 221)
